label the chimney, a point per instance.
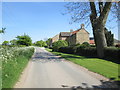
(71, 30)
(82, 26)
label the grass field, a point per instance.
(100, 66)
(14, 61)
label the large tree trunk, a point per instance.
(100, 40)
(98, 25)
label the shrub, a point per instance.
(21, 45)
(112, 53)
(41, 43)
(5, 43)
(86, 44)
(77, 44)
(80, 48)
(68, 49)
(90, 51)
(58, 44)
(86, 51)
(14, 60)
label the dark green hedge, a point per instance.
(88, 51)
(79, 50)
(69, 50)
(112, 54)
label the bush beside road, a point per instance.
(14, 60)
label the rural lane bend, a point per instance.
(46, 70)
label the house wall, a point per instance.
(72, 39)
(82, 36)
(79, 37)
(62, 38)
(55, 38)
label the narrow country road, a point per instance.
(46, 70)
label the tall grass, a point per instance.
(14, 61)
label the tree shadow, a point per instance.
(109, 85)
(117, 61)
(105, 58)
(112, 60)
(45, 57)
(72, 57)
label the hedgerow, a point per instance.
(14, 60)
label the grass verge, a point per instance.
(100, 66)
(11, 70)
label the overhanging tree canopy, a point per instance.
(97, 13)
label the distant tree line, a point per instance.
(25, 40)
(40, 43)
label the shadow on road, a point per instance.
(44, 57)
(109, 85)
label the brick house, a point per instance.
(73, 37)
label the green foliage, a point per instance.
(14, 61)
(77, 44)
(49, 43)
(86, 44)
(50, 50)
(109, 37)
(21, 45)
(58, 44)
(112, 53)
(13, 42)
(79, 48)
(82, 49)
(68, 49)
(3, 30)
(40, 43)
(24, 40)
(88, 51)
(5, 43)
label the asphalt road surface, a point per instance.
(46, 70)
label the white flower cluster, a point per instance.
(12, 52)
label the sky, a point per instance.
(39, 20)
